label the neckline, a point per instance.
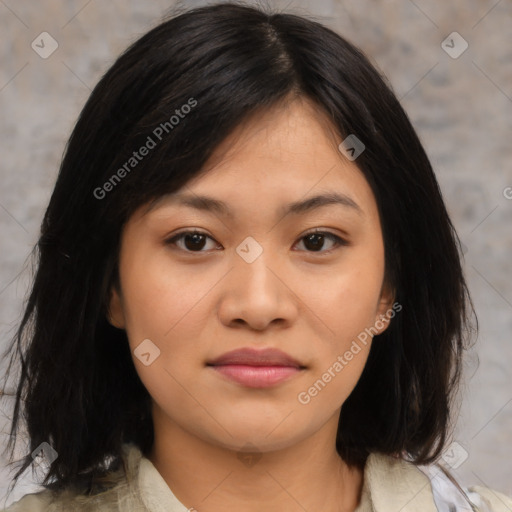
(386, 481)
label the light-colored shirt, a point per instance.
(389, 485)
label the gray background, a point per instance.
(461, 108)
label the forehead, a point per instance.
(218, 207)
(295, 128)
(285, 159)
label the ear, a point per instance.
(115, 309)
(385, 311)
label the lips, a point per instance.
(253, 368)
(253, 357)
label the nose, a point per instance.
(257, 295)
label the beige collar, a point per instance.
(389, 484)
(394, 484)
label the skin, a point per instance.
(198, 300)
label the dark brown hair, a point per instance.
(78, 389)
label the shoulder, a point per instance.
(117, 492)
(393, 482)
(35, 502)
(70, 499)
(494, 500)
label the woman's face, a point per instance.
(256, 278)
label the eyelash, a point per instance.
(340, 242)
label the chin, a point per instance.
(266, 436)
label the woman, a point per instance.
(249, 293)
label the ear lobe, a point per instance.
(385, 308)
(115, 314)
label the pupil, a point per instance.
(195, 240)
(316, 238)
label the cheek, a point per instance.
(160, 297)
(169, 307)
(345, 300)
(346, 303)
(340, 355)
(164, 306)
(330, 385)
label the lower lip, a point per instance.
(257, 376)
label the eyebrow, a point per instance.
(210, 204)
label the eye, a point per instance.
(195, 241)
(315, 240)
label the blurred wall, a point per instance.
(459, 99)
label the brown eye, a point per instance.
(315, 241)
(193, 241)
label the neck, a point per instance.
(310, 475)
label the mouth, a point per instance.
(256, 368)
